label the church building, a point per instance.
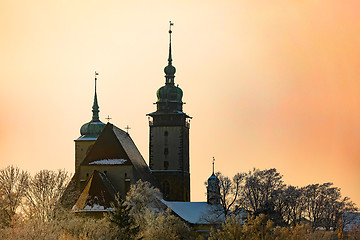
(107, 160)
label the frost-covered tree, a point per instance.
(66, 226)
(143, 204)
(261, 227)
(163, 226)
(13, 183)
(142, 196)
(43, 194)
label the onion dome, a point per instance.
(169, 93)
(93, 128)
(169, 97)
(170, 70)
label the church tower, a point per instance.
(89, 133)
(213, 188)
(169, 139)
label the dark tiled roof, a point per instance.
(107, 146)
(97, 194)
(114, 143)
(134, 155)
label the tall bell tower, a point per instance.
(169, 139)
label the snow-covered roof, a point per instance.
(351, 221)
(86, 138)
(197, 212)
(109, 162)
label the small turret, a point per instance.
(213, 188)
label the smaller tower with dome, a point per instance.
(89, 132)
(213, 188)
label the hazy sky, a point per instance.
(269, 84)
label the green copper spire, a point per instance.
(95, 107)
(170, 69)
(92, 129)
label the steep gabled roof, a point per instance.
(134, 155)
(97, 194)
(107, 146)
(114, 143)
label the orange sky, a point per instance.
(268, 83)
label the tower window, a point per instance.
(127, 185)
(166, 165)
(166, 189)
(166, 151)
(166, 133)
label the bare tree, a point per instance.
(230, 191)
(44, 192)
(13, 183)
(324, 205)
(291, 205)
(261, 189)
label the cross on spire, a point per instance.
(108, 118)
(213, 165)
(127, 128)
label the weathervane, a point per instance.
(96, 73)
(171, 24)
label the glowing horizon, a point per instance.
(268, 84)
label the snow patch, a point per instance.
(109, 162)
(95, 207)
